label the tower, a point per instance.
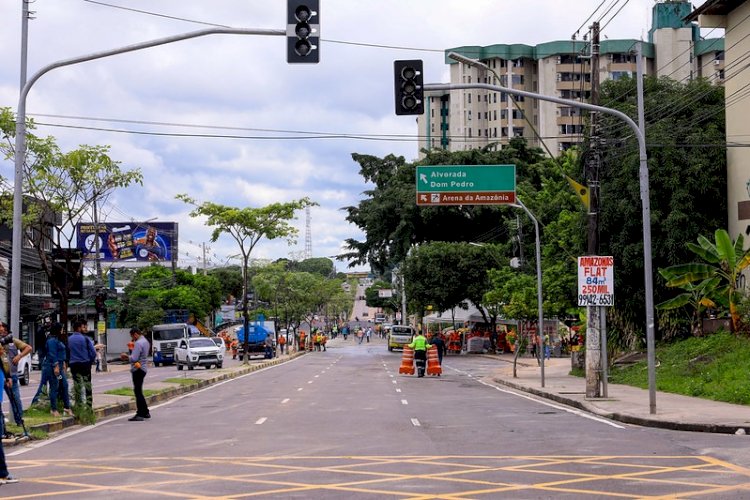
(308, 235)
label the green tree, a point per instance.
(723, 259)
(156, 289)
(230, 278)
(247, 226)
(61, 190)
(687, 168)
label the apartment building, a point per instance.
(731, 15)
(465, 119)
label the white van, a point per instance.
(399, 336)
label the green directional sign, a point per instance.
(466, 184)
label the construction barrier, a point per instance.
(433, 363)
(407, 361)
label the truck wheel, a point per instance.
(390, 349)
(156, 363)
(179, 366)
(190, 367)
(240, 357)
(218, 366)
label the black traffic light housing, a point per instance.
(303, 31)
(409, 87)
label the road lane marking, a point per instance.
(260, 421)
(398, 390)
(299, 388)
(286, 400)
(309, 381)
(394, 381)
(404, 402)
(415, 422)
(316, 376)
(546, 403)
(39, 444)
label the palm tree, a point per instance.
(723, 259)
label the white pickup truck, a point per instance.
(198, 351)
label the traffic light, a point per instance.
(303, 31)
(409, 86)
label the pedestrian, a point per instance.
(41, 350)
(420, 346)
(269, 346)
(99, 350)
(282, 343)
(5, 380)
(438, 342)
(368, 333)
(323, 340)
(56, 365)
(82, 357)
(360, 334)
(546, 347)
(138, 367)
(14, 350)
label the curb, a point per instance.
(162, 395)
(621, 417)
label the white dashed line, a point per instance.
(309, 381)
(393, 381)
(398, 390)
(415, 422)
(299, 388)
(404, 402)
(316, 376)
(283, 401)
(260, 421)
(390, 375)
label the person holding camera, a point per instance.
(14, 349)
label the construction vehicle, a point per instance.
(256, 341)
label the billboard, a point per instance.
(128, 241)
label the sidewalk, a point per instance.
(624, 403)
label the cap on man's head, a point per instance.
(135, 329)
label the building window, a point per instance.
(468, 98)
(517, 131)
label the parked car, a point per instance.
(35, 361)
(198, 351)
(24, 370)
(220, 343)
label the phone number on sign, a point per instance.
(596, 300)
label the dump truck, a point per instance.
(258, 330)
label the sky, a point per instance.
(224, 118)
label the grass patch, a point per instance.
(128, 391)
(712, 367)
(182, 381)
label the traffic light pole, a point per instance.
(20, 143)
(644, 188)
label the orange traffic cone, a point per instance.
(407, 361)
(433, 364)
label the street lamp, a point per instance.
(20, 144)
(644, 192)
(540, 328)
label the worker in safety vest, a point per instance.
(323, 340)
(420, 346)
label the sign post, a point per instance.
(596, 289)
(466, 185)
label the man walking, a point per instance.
(438, 341)
(420, 346)
(138, 360)
(82, 356)
(14, 351)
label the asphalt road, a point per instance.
(345, 424)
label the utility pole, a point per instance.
(204, 258)
(593, 313)
(101, 319)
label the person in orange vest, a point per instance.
(420, 346)
(235, 345)
(281, 342)
(323, 340)
(301, 341)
